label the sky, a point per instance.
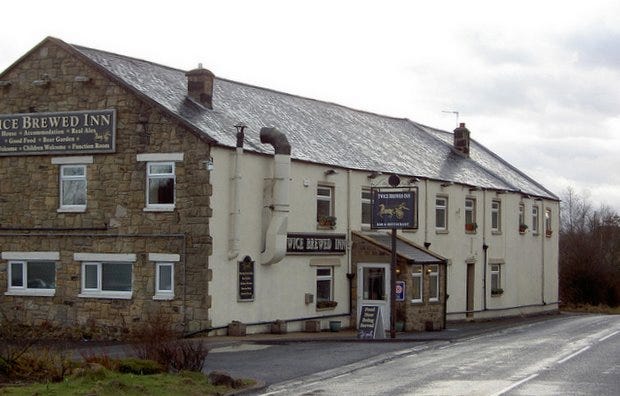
(537, 82)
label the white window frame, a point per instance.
(433, 275)
(329, 277)
(72, 162)
(441, 208)
(548, 224)
(150, 176)
(98, 260)
(324, 198)
(470, 207)
(417, 275)
(164, 260)
(496, 216)
(366, 201)
(24, 258)
(535, 219)
(160, 158)
(496, 272)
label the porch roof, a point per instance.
(406, 249)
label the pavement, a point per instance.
(453, 332)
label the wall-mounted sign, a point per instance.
(400, 291)
(394, 208)
(91, 131)
(308, 243)
(246, 279)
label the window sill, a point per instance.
(320, 227)
(71, 210)
(325, 309)
(441, 232)
(470, 232)
(163, 297)
(108, 294)
(496, 232)
(417, 301)
(32, 292)
(159, 209)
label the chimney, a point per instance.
(200, 86)
(461, 140)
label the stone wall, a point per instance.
(422, 316)
(115, 220)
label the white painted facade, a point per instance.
(528, 262)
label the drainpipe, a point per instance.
(485, 247)
(235, 214)
(543, 237)
(275, 238)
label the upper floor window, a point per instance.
(366, 208)
(325, 206)
(496, 212)
(73, 182)
(535, 219)
(522, 225)
(441, 213)
(160, 180)
(160, 185)
(470, 214)
(548, 229)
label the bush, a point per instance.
(139, 366)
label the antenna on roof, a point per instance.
(456, 113)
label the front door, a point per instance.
(470, 290)
(373, 283)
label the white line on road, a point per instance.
(511, 387)
(609, 336)
(572, 355)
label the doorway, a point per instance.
(470, 290)
(373, 283)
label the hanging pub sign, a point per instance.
(246, 279)
(315, 244)
(70, 132)
(394, 208)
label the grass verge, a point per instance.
(586, 308)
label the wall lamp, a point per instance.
(446, 184)
(374, 174)
(500, 192)
(413, 180)
(471, 189)
(330, 172)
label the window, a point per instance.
(73, 187)
(470, 214)
(106, 275)
(164, 281)
(325, 206)
(496, 280)
(441, 213)
(366, 208)
(32, 277)
(416, 287)
(496, 212)
(548, 230)
(160, 185)
(433, 283)
(522, 225)
(535, 219)
(324, 284)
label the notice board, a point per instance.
(371, 323)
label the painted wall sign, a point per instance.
(371, 323)
(394, 208)
(91, 131)
(400, 291)
(308, 243)
(246, 279)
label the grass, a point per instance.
(106, 382)
(585, 308)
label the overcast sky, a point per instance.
(537, 82)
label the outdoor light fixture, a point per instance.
(330, 172)
(500, 192)
(413, 180)
(374, 174)
(446, 184)
(474, 189)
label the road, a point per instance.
(573, 355)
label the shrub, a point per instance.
(139, 366)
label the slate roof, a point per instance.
(319, 132)
(406, 249)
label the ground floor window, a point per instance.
(32, 277)
(416, 286)
(164, 280)
(496, 280)
(433, 282)
(324, 287)
(106, 275)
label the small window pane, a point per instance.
(161, 169)
(165, 277)
(161, 191)
(417, 283)
(17, 275)
(433, 291)
(323, 290)
(74, 192)
(374, 284)
(90, 276)
(115, 277)
(41, 275)
(73, 170)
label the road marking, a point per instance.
(609, 336)
(574, 354)
(511, 387)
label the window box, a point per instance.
(326, 304)
(497, 292)
(522, 228)
(327, 222)
(471, 227)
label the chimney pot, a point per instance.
(461, 140)
(200, 86)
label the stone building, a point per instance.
(132, 192)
